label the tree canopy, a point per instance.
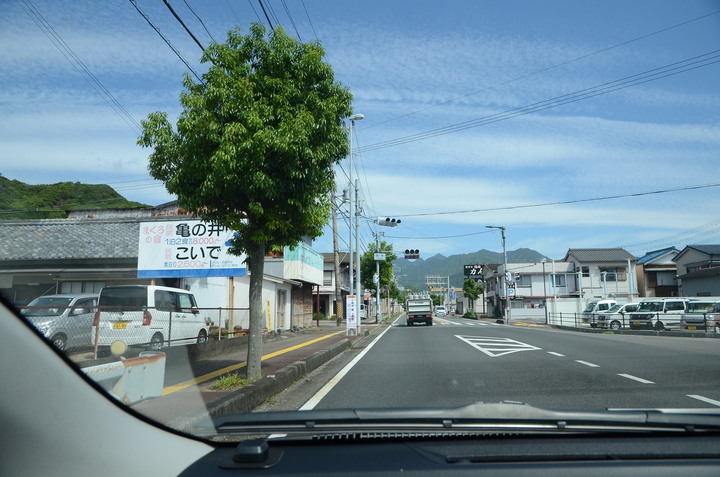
(254, 147)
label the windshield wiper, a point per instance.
(478, 418)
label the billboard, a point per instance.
(186, 248)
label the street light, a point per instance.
(353, 203)
(505, 284)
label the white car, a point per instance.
(66, 320)
(440, 310)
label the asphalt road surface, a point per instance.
(460, 361)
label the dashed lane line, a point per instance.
(635, 378)
(704, 399)
(592, 365)
(556, 354)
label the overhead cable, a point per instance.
(654, 74)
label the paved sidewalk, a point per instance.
(187, 388)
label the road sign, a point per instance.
(380, 256)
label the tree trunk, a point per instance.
(254, 355)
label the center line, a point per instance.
(640, 380)
(592, 365)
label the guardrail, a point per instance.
(656, 321)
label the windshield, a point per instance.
(650, 306)
(702, 307)
(47, 306)
(249, 194)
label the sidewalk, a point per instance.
(286, 359)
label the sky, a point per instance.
(573, 124)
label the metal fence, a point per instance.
(644, 321)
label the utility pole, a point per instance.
(336, 262)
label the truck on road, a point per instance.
(419, 309)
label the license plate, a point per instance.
(692, 328)
(637, 323)
(120, 325)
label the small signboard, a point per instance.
(473, 271)
(380, 256)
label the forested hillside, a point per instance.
(51, 201)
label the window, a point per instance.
(613, 274)
(524, 281)
(328, 278)
(558, 280)
(585, 271)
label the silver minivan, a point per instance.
(702, 315)
(66, 320)
(148, 315)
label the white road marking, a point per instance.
(592, 365)
(704, 399)
(313, 401)
(635, 378)
(495, 347)
(556, 354)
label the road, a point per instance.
(459, 361)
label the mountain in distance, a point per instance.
(20, 201)
(412, 273)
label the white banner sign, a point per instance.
(187, 248)
(351, 312)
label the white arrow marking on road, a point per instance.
(495, 347)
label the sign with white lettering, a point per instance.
(187, 248)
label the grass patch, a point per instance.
(229, 381)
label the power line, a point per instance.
(310, 21)
(266, 15)
(292, 22)
(177, 53)
(200, 20)
(543, 70)
(78, 64)
(564, 202)
(441, 237)
(654, 74)
(177, 17)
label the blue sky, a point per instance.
(413, 68)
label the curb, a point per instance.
(248, 398)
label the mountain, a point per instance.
(412, 273)
(51, 201)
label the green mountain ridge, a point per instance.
(412, 273)
(20, 201)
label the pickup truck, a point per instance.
(419, 310)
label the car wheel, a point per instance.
(156, 342)
(593, 325)
(202, 336)
(614, 325)
(59, 341)
(659, 326)
(429, 322)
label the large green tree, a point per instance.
(367, 267)
(472, 291)
(254, 148)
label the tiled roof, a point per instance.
(57, 239)
(650, 256)
(706, 249)
(586, 255)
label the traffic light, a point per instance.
(388, 222)
(517, 276)
(412, 254)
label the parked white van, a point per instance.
(659, 313)
(589, 314)
(148, 315)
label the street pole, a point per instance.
(353, 199)
(545, 292)
(336, 262)
(358, 287)
(378, 301)
(505, 281)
